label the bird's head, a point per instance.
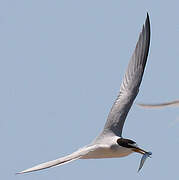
(127, 143)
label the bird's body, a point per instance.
(110, 143)
(103, 151)
(109, 149)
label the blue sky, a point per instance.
(61, 67)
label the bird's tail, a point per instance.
(74, 156)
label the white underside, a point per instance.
(115, 151)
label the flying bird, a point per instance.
(110, 143)
(161, 105)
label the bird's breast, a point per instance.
(113, 151)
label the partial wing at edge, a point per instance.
(160, 105)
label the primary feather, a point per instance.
(130, 84)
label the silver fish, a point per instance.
(144, 157)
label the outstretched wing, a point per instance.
(161, 105)
(130, 85)
(63, 160)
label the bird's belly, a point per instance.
(108, 153)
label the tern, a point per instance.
(110, 143)
(161, 105)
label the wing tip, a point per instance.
(21, 172)
(147, 22)
(24, 171)
(147, 15)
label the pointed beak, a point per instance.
(139, 150)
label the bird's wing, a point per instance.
(63, 160)
(161, 105)
(130, 85)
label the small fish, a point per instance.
(144, 157)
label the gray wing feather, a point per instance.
(161, 105)
(130, 85)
